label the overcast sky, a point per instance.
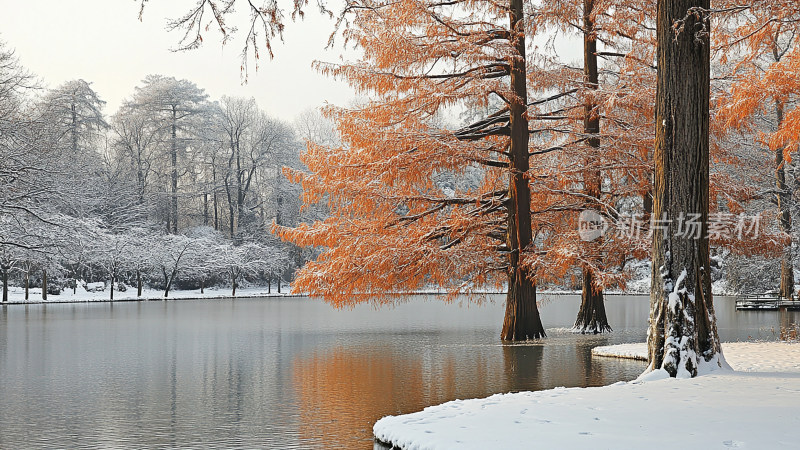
(103, 42)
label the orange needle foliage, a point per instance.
(393, 229)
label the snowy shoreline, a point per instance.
(753, 406)
(16, 296)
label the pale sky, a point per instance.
(103, 42)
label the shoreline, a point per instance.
(88, 297)
(752, 406)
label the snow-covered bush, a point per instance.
(752, 275)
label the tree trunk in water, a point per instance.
(5, 286)
(592, 314)
(138, 283)
(683, 329)
(522, 319)
(44, 285)
(785, 218)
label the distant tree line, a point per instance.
(173, 190)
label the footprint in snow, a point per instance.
(733, 444)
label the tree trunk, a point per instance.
(785, 217)
(269, 285)
(279, 284)
(592, 314)
(174, 155)
(112, 289)
(214, 195)
(205, 209)
(167, 282)
(44, 285)
(522, 319)
(233, 282)
(27, 284)
(138, 283)
(683, 330)
(5, 285)
(202, 286)
(74, 129)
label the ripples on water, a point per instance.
(284, 373)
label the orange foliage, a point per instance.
(395, 227)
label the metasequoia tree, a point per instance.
(683, 333)
(392, 228)
(610, 165)
(762, 41)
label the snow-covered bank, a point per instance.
(742, 356)
(16, 295)
(726, 409)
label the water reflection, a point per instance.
(341, 392)
(289, 373)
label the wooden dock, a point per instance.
(766, 302)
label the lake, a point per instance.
(287, 373)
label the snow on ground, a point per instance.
(627, 351)
(742, 356)
(17, 294)
(754, 408)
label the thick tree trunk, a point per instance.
(785, 217)
(279, 284)
(269, 285)
(202, 286)
(27, 284)
(44, 285)
(522, 319)
(233, 283)
(138, 283)
(592, 314)
(5, 285)
(111, 295)
(683, 330)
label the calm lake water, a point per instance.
(286, 373)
